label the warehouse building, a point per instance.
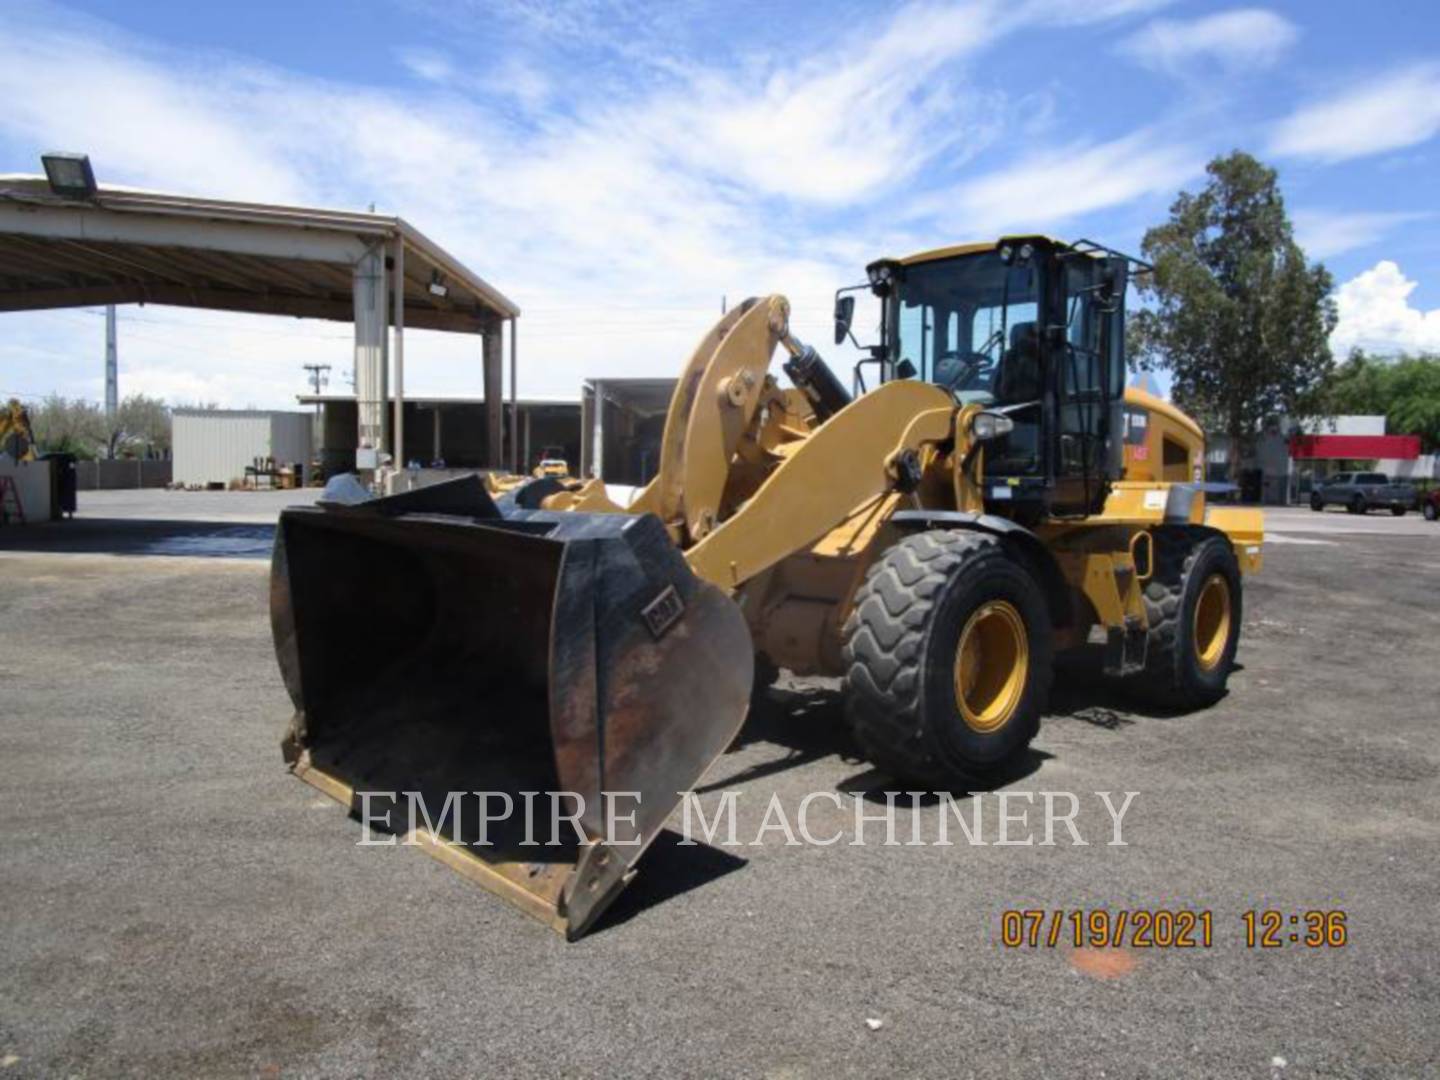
(450, 432)
(1291, 456)
(217, 446)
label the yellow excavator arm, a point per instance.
(17, 438)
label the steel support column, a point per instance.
(398, 425)
(369, 294)
(494, 395)
(514, 405)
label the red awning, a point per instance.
(1355, 447)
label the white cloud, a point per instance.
(617, 224)
(1395, 111)
(1060, 184)
(1323, 233)
(1243, 39)
(1376, 314)
(428, 64)
(118, 108)
(837, 129)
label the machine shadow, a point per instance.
(665, 873)
(140, 536)
(1081, 691)
(806, 718)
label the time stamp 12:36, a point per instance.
(1161, 928)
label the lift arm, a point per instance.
(849, 459)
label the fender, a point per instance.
(1018, 537)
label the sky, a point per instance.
(621, 168)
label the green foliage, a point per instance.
(1237, 314)
(70, 426)
(1405, 389)
(75, 426)
(142, 427)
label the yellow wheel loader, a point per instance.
(988, 495)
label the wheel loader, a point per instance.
(986, 494)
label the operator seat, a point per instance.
(1018, 382)
(1019, 377)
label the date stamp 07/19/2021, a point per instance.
(1160, 928)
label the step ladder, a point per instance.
(10, 495)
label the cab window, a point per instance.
(969, 324)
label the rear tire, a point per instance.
(1430, 511)
(923, 702)
(1193, 605)
(1398, 511)
(1317, 503)
(1356, 505)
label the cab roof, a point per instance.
(953, 250)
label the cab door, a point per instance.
(1088, 366)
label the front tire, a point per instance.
(1398, 511)
(1356, 505)
(1193, 605)
(1430, 511)
(1316, 503)
(948, 659)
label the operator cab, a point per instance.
(1029, 328)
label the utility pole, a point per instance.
(112, 378)
(319, 377)
(112, 367)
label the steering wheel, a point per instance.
(956, 367)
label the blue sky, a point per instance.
(618, 167)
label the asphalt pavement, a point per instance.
(177, 904)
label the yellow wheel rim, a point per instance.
(1212, 621)
(991, 665)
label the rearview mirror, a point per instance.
(905, 370)
(844, 315)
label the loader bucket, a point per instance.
(432, 645)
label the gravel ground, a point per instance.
(175, 903)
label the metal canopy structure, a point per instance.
(126, 246)
(619, 418)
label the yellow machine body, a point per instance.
(551, 637)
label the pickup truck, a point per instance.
(1362, 491)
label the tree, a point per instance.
(142, 427)
(79, 427)
(1404, 389)
(69, 426)
(1238, 316)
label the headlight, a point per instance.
(880, 274)
(989, 425)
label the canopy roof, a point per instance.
(129, 246)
